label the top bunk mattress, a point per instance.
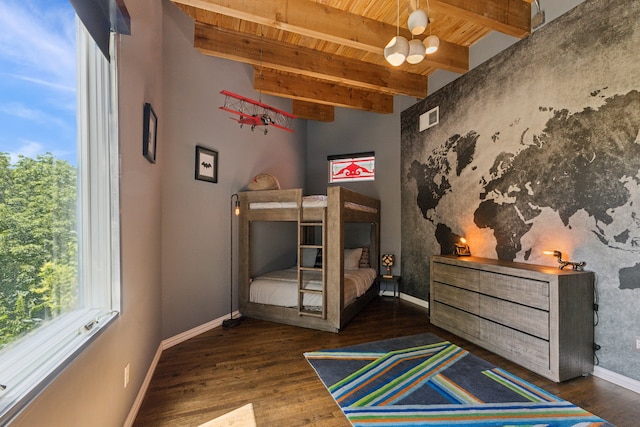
(315, 201)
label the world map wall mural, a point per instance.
(539, 149)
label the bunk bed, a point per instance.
(325, 297)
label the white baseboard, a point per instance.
(414, 300)
(617, 379)
(187, 335)
(133, 412)
(165, 344)
(405, 297)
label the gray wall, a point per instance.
(196, 214)
(521, 165)
(356, 131)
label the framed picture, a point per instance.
(206, 164)
(149, 133)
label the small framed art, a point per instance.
(206, 164)
(149, 133)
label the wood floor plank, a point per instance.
(263, 363)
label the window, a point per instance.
(59, 221)
(352, 167)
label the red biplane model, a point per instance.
(255, 113)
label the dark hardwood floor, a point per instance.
(262, 363)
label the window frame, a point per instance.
(35, 360)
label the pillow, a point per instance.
(264, 181)
(309, 257)
(352, 258)
(364, 258)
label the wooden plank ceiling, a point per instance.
(327, 53)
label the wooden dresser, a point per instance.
(537, 316)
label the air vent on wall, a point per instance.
(430, 118)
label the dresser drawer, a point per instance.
(450, 317)
(525, 349)
(456, 297)
(520, 317)
(525, 291)
(466, 278)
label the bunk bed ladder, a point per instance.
(314, 228)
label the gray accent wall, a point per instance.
(539, 149)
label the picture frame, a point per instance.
(149, 133)
(206, 165)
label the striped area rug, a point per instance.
(422, 380)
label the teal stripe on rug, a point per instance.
(421, 380)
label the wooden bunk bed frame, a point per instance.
(336, 215)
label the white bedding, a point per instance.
(317, 201)
(281, 287)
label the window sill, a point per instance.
(29, 365)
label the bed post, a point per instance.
(243, 252)
(335, 253)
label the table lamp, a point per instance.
(388, 261)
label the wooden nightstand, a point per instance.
(395, 280)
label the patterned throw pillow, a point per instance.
(364, 258)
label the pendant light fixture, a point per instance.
(399, 49)
(396, 51)
(418, 20)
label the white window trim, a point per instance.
(100, 235)
(35, 360)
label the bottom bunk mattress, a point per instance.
(281, 287)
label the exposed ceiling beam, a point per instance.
(449, 56)
(512, 17)
(253, 50)
(309, 89)
(313, 111)
(307, 18)
(315, 20)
